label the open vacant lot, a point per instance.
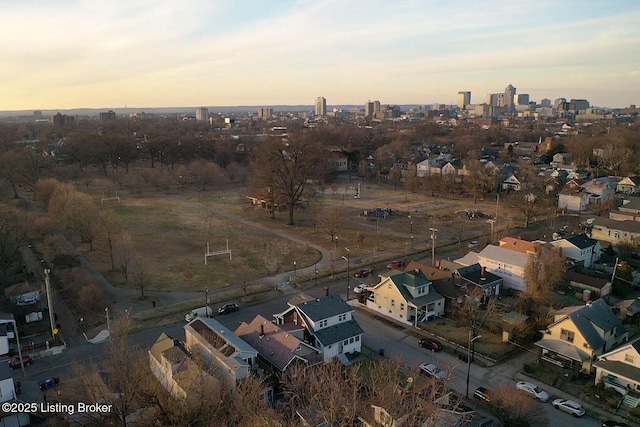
(171, 230)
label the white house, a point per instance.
(511, 183)
(327, 324)
(506, 263)
(581, 249)
(620, 369)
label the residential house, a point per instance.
(279, 350)
(422, 168)
(629, 185)
(620, 369)
(7, 328)
(506, 263)
(578, 335)
(406, 297)
(178, 374)
(580, 249)
(562, 161)
(231, 358)
(615, 232)
(575, 200)
(327, 324)
(478, 276)
(599, 191)
(595, 287)
(629, 211)
(511, 183)
(338, 161)
(265, 199)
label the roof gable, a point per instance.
(325, 307)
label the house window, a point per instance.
(567, 335)
(401, 306)
(629, 358)
(393, 303)
(358, 338)
(351, 340)
(345, 342)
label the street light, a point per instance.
(106, 310)
(412, 242)
(206, 302)
(377, 233)
(316, 272)
(491, 221)
(469, 356)
(433, 245)
(335, 241)
(411, 224)
(295, 268)
(346, 258)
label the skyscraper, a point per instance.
(321, 106)
(202, 113)
(368, 108)
(509, 93)
(464, 99)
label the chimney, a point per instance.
(261, 330)
(416, 271)
(326, 291)
(483, 274)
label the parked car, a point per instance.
(363, 273)
(611, 423)
(431, 370)
(198, 312)
(472, 244)
(15, 362)
(533, 390)
(430, 343)
(228, 308)
(395, 264)
(569, 406)
(360, 288)
(483, 394)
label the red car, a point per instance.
(395, 264)
(363, 273)
(15, 362)
(431, 344)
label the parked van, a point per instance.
(198, 312)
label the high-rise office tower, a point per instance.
(202, 113)
(321, 106)
(464, 99)
(368, 108)
(521, 99)
(509, 93)
(376, 107)
(265, 112)
(492, 99)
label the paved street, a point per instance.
(378, 335)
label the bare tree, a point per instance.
(109, 228)
(12, 238)
(287, 169)
(542, 275)
(139, 274)
(515, 409)
(331, 220)
(125, 255)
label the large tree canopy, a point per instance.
(286, 168)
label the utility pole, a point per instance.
(497, 201)
(433, 245)
(348, 258)
(206, 302)
(106, 310)
(47, 283)
(469, 359)
(491, 221)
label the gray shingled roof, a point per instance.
(581, 241)
(621, 368)
(599, 314)
(473, 274)
(339, 332)
(325, 307)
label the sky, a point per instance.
(168, 53)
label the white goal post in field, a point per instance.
(214, 253)
(108, 196)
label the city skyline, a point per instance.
(80, 54)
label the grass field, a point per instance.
(171, 230)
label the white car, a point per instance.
(432, 370)
(569, 406)
(533, 390)
(360, 288)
